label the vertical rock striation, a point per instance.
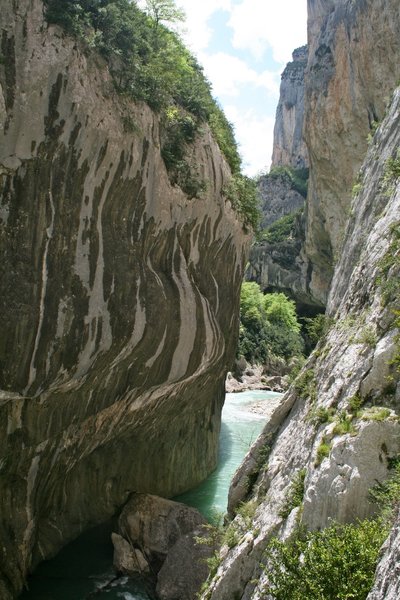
(289, 145)
(119, 298)
(354, 50)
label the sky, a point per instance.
(244, 46)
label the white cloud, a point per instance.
(228, 74)
(255, 135)
(261, 24)
(197, 33)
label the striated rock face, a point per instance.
(119, 298)
(289, 145)
(354, 53)
(351, 376)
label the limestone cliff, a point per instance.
(353, 67)
(119, 298)
(289, 145)
(353, 375)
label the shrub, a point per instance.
(323, 451)
(337, 563)
(149, 63)
(305, 385)
(281, 230)
(295, 494)
(243, 195)
(298, 178)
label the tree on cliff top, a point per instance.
(164, 11)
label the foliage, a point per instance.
(280, 230)
(344, 424)
(149, 63)
(387, 494)
(298, 178)
(366, 336)
(389, 265)
(164, 10)
(305, 385)
(337, 563)
(317, 327)
(376, 413)
(268, 325)
(247, 511)
(355, 403)
(280, 310)
(180, 129)
(323, 451)
(295, 494)
(243, 195)
(321, 415)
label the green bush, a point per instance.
(243, 195)
(295, 494)
(337, 563)
(298, 178)
(281, 230)
(268, 325)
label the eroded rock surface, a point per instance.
(289, 144)
(119, 298)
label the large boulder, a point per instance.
(155, 524)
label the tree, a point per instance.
(164, 11)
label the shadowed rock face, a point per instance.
(119, 298)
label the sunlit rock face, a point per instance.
(289, 145)
(354, 52)
(119, 298)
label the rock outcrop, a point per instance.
(289, 144)
(119, 298)
(338, 426)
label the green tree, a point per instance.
(164, 11)
(268, 325)
(281, 311)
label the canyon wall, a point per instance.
(289, 145)
(353, 375)
(119, 298)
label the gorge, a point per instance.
(120, 285)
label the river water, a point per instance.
(84, 567)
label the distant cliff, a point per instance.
(289, 144)
(279, 264)
(119, 297)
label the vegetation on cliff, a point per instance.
(338, 562)
(150, 63)
(268, 325)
